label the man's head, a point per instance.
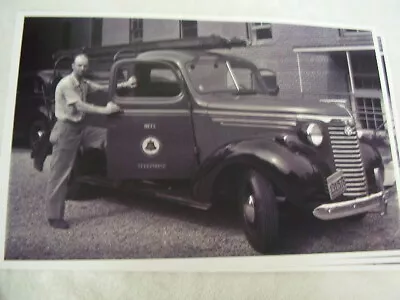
(80, 65)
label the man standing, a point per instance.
(69, 133)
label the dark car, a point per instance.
(203, 127)
(33, 106)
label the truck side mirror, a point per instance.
(270, 80)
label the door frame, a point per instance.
(178, 104)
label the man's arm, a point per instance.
(75, 101)
(94, 87)
(90, 108)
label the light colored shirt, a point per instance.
(68, 92)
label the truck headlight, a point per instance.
(314, 134)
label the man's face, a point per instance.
(80, 65)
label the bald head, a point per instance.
(80, 65)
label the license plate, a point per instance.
(336, 185)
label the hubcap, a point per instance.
(36, 134)
(40, 133)
(249, 211)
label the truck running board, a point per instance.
(147, 190)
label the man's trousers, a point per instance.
(66, 138)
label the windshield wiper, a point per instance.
(228, 65)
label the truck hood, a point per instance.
(266, 104)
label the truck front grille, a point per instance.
(347, 157)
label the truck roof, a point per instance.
(183, 56)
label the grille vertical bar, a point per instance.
(347, 157)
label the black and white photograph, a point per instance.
(158, 138)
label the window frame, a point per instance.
(347, 32)
(252, 32)
(143, 100)
(97, 32)
(182, 29)
(136, 30)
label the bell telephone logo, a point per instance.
(151, 146)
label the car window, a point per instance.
(212, 75)
(154, 80)
(162, 75)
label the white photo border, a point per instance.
(300, 262)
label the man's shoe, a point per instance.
(58, 223)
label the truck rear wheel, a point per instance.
(259, 212)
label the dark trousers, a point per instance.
(67, 138)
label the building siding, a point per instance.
(160, 29)
(115, 31)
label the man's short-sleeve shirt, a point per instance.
(68, 92)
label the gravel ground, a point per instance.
(113, 227)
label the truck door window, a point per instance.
(154, 80)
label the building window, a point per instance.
(369, 113)
(135, 30)
(367, 81)
(188, 29)
(97, 31)
(367, 91)
(260, 32)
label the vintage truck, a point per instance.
(204, 127)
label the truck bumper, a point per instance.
(376, 203)
(373, 203)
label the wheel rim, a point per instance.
(36, 134)
(39, 133)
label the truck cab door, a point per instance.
(153, 137)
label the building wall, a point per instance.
(81, 32)
(160, 29)
(115, 31)
(41, 38)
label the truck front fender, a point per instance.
(288, 171)
(372, 159)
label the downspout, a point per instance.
(299, 69)
(352, 96)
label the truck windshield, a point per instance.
(211, 74)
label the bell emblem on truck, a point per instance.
(151, 146)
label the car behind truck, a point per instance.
(204, 127)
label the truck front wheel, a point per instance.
(259, 212)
